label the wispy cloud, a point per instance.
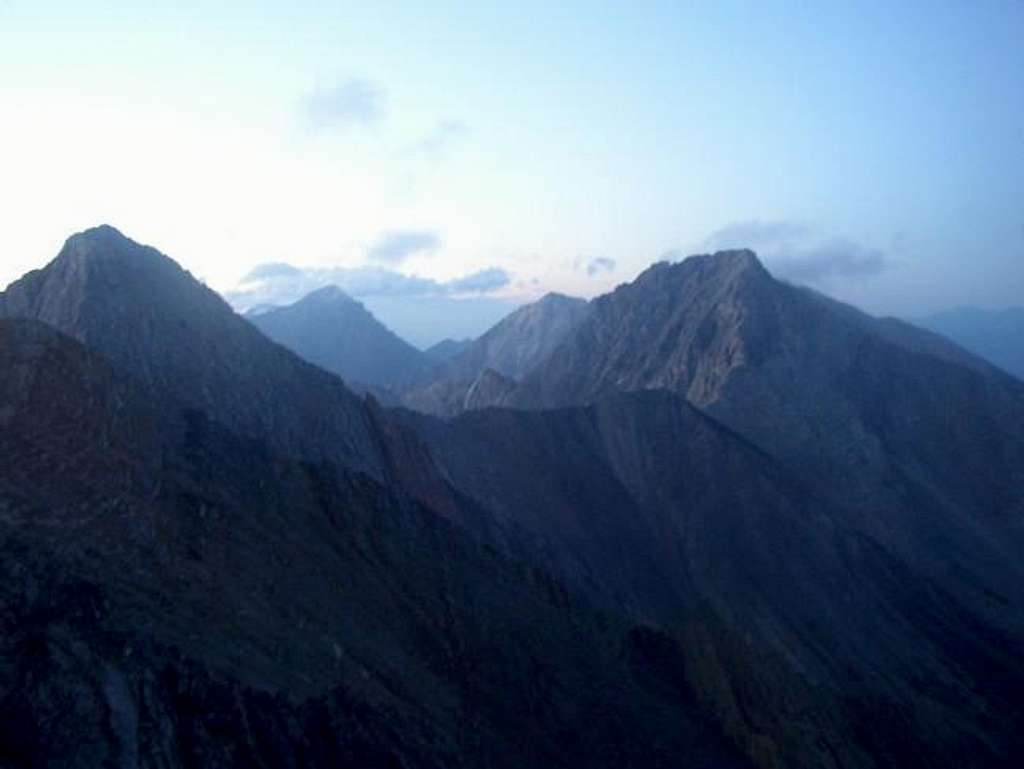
(801, 253)
(273, 270)
(398, 245)
(600, 264)
(356, 101)
(833, 258)
(442, 139)
(481, 282)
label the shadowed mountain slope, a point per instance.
(175, 595)
(337, 333)
(803, 618)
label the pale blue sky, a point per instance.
(874, 148)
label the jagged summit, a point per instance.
(101, 232)
(717, 266)
(106, 243)
(101, 282)
(741, 258)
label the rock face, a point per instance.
(511, 349)
(997, 336)
(684, 328)
(175, 595)
(151, 318)
(337, 333)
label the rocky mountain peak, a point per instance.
(104, 247)
(157, 323)
(722, 268)
(101, 281)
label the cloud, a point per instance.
(397, 246)
(273, 270)
(598, 265)
(444, 137)
(481, 282)
(835, 258)
(353, 102)
(276, 286)
(749, 234)
(797, 252)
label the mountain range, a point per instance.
(709, 519)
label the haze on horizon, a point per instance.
(875, 152)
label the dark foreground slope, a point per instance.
(177, 596)
(815, 633)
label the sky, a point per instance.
(500, 151)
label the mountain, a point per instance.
(848, 399)
(152, 319)
(447, 349)
(177, 595)
(997, 336)
(510, 349)
(337, 333)
(748, 526)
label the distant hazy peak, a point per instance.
(327, 295)
(336, 332)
